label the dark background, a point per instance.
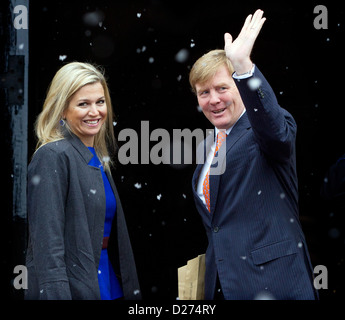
(303, 65)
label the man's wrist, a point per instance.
(245, 75)
(244, 68)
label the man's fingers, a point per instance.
(258, 27)
(261, 23)
(227, 38)
(246, 25)
(252, 22)
(247, 22)
(255, 22)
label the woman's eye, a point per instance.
(101, 102)
(82, 104)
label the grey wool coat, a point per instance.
(66, 213)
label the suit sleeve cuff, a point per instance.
(245, 75)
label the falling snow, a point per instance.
(93, 19)
(106, 159)
(36, 180)
(264, 295)
(182, 56)
(334, 233)
(254, 83)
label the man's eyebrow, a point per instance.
(202, 89)
(222, 84)
(218, 85)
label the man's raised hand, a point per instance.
(239, 50)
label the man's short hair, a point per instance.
(206, 67)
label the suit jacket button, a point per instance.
(261, 93)
(215, 229)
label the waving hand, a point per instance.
(239, 50)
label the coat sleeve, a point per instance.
(274, 128)
(47, 192)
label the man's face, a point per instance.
(220, 99)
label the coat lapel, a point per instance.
(237, 132)
(79, 146)
(112, 184)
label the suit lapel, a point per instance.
(201, 155)
(202, 152)
(237, 132)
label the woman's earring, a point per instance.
(62, 122)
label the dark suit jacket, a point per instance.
(256, 244)
(66, 213)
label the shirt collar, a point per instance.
(229, 130)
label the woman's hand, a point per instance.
(239, 51)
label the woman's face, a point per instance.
(87, 112)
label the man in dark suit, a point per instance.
(248, 199)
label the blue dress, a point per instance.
(108, 283)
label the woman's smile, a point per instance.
(86, 113)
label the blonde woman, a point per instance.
(79, 247)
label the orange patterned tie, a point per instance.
(221, 137)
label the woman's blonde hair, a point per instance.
(206, 67)
(66, 82)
